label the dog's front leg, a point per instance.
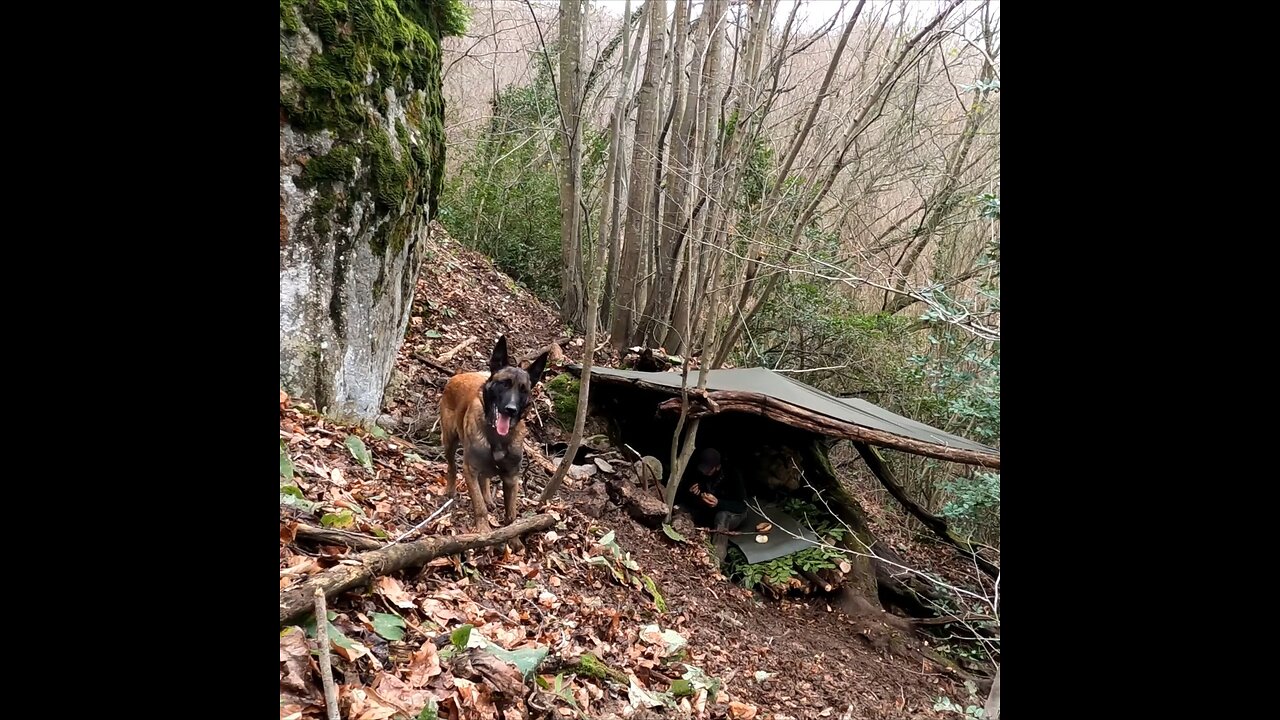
(510, 498)
(478, 507)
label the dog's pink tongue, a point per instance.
(504, 425)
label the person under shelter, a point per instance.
(723, 490)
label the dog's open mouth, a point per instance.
(503, 424)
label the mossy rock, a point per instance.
(563, 391)
(370, 52)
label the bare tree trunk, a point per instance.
(672, 195)
(570, 161)
(620, 112)
(683, 186)
(593, 286)
(640, 190)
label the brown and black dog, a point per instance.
(484, 413)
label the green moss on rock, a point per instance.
(339, 165)
(563, 391)
(368, 48)
(593, 667)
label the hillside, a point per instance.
(656, 613)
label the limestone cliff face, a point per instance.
(361, 154)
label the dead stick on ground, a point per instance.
(355, 541)
(433, 365)
(326, 665)
(539, 458)
(456, 349)
(817, 581)
(295, 601)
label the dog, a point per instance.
(484, 414)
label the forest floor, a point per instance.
(744, 655)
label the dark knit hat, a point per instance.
(708, 460)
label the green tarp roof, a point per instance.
(783, 399)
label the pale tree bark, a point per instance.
(749, 86)
(594, 276)
(641, 184)
(684, 185)
(657, 265)
(620, 110)
(699, 266)
(570, 161)
(669, 200)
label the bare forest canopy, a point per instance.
(738, 153)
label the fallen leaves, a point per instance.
(388, 626)
(359, 451)
(392, 590)
(477, 698)
(480, 665)
(669, 640)
(296, 685)
(397, 693)
(364, 704)
(424, 664)
(741, 711)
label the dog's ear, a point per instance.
(498, 359)
(536, 367)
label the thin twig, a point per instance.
(809, 370)
(415, 528)
(326, 665)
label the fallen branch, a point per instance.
(554, 355)
(433, 365)
(948, 619)
(446, 357)
(296, 601)
(355, 541)
(539, 458)
(817, 581)
(326, 664)
(641, 506)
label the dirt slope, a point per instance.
(566, 592)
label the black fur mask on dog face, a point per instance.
(509, 390)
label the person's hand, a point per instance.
(710, 499)
(695, 489)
